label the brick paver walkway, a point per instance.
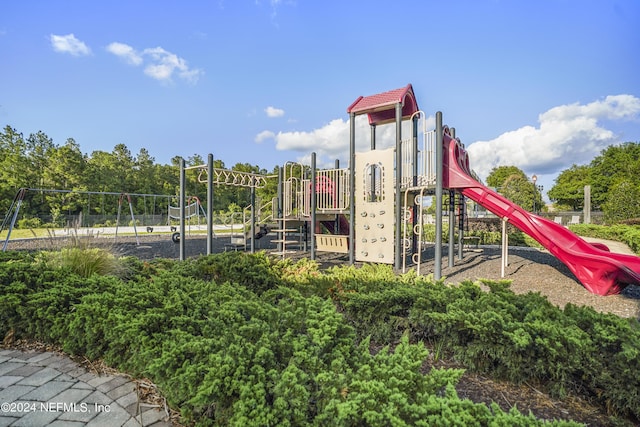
(39, 389)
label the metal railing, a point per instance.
(332, 192)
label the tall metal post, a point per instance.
(252, 228)
(135, 229)
(437, 273)
(17, 201)
(452, 214)
(452, 226)
(398, 234)
(336, 221)
(461, 213)
(352, 186)
(313, 206)
(281, 234)
(209, 204)
(415, 149)
(183, 191)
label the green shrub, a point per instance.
(609, 365)
(228, 354)
(26, 223)
(520, 338)
(628, 234)
(374, 299)
(255, 272)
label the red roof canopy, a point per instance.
(381, 107)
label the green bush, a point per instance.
(520, 338)
(226, 351)
(26, 223)
(255, 272)
(628, 234)
(623, 202)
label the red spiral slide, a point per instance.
(600, 271)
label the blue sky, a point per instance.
(537, 84)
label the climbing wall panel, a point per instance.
(374, 206)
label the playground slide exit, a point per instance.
(600, 271)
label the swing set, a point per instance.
(11, 217)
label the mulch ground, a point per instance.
(530, 270)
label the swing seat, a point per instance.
(236, 243)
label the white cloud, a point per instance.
(126, 52)
(274, 112)
(69, 44)
(164, 63)
(566, 135)
(264, 135)
(159, 63)
(331, 141)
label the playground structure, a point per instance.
(374, 209)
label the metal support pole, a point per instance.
(253, 217)
(398, 198)
(336, 221)
(209, 204)
(183, 191)
(17, 202)
(133, 220)
(313, 206)
(437, 273)
(452, 215)
(504, 261)
(118, 215)
(452, 226)
(352, 187)
(281, 234)
(461, 213)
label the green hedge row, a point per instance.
(628, 234)
(516, 337)
(237, 340)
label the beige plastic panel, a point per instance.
(374, 206)
(332, 243)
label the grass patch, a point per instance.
(84, 262)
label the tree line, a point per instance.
(613, 176)
(36, 162)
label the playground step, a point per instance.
(286, 242)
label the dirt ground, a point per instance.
(531, 270)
